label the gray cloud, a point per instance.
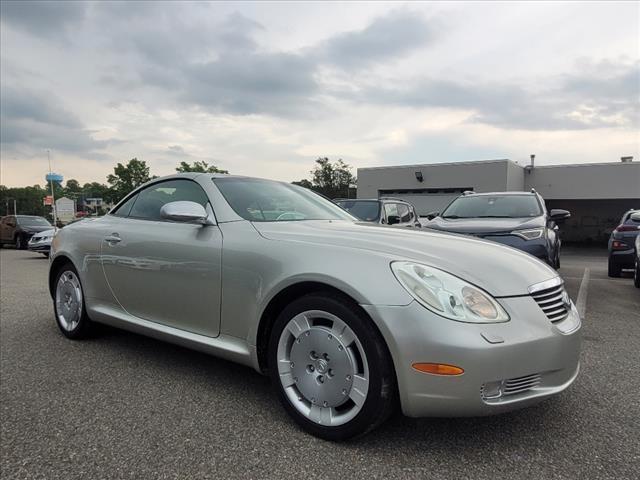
(257, 83)
(219, 66)
(386, 38)
(43, 18)
(39, 120)
(579, 101)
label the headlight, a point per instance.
(448, 295)
(530, 234)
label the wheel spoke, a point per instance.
(344, 333)
(299, 324)
(359, 390)
(320, 415)
(287, 379)
(284, 366)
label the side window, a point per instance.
(390, 209)
(154, 197)
(124, 209)
(403, 211)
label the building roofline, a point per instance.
(498, 160)
(466, 162)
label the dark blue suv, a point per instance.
(517, 219)
(621, 243)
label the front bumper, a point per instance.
(531, 347)
(40, 247)
(536, 247)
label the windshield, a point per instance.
(485, 206)
(33, 221)
(268, 201)
(366, 210)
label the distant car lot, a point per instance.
(122, 405)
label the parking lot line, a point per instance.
(581, 302)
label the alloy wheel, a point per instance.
(323, 368)
(69, 301)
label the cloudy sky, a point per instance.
(265, 88)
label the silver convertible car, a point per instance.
(349, 319)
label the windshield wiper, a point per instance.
(494, 216)
(453, 216)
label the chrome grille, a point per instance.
(553, 300)
(520, 384)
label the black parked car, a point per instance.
(385, 211)
(517, 219)
(621, 248)
(18, 229)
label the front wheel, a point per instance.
(68, 304)
(20, 243)
(330, 367)
(636, 274)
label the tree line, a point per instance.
(332, 179)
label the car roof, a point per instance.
(493, 194)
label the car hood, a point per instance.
(50, 232)
(484, 225)
(35, 229)
(500, 270)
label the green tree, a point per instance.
(127, 177)
(304, 183)
(331, 179)
(72, 189)
(199, 167)
(28, 200)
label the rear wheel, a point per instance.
(330, 367)
(614, 269)
(20, 242)
(68, 304)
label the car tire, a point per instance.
(323, 353)
(636, 274)
(20, 242)
(68, 304)
(614, 270)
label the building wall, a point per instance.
(481, 176)
(586, 181)
(591, 220)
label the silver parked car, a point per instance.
(347, 318)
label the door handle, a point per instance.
(113, 238)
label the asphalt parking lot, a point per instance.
(125, 406)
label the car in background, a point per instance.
(18, 229)
(636, 271)
(41, 242)
(621, 243)
(517, 219)
(383, 211)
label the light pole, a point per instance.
(53, 198)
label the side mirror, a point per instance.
(393, 219)
(184, 211)
(635, 217)
(432, 215)
(558, 215)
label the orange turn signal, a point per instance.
(438, 368)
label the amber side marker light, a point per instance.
(438, 368)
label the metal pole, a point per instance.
(15, 210)
(53, 198)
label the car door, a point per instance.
(6, 229)
(405, 216)
(162, 271)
